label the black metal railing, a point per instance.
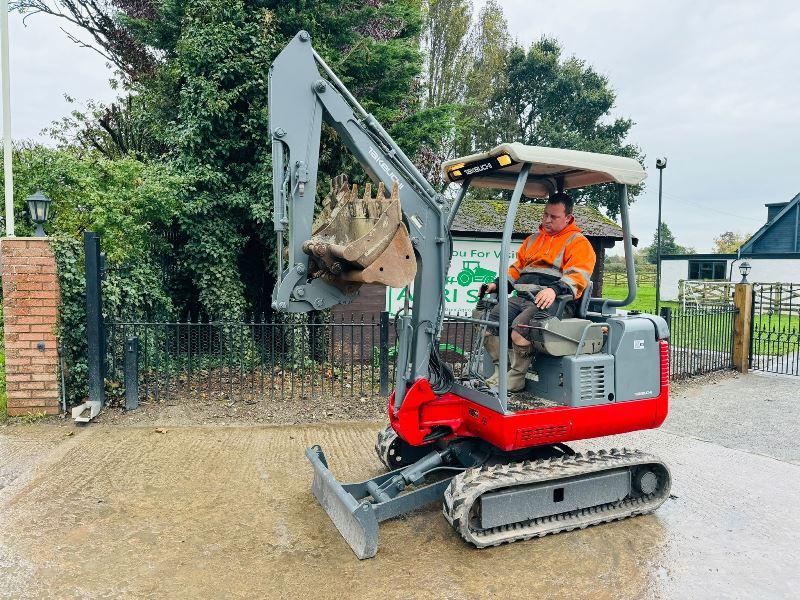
(245, 361)
(701, 340)
(775, 328)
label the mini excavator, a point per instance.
(500, 466)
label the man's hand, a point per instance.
(545, 298)
(491, 288)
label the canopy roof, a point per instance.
(579, 169)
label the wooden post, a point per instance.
(743, 301)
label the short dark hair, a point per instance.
(562, 198)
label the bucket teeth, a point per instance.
(360, 238)
(337, 196)
(374, 204)
(360, 204)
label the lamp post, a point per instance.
(661, 164)
(744, 269)
(39, 209)
(6, 97)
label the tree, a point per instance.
(106, 21)
(542, 99)
(448, 55)
(194, 81)
(729, 242)
(490, 42)
(120, 129)
(668, 245)
(206, 113)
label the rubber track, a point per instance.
(385, 438)
(466, 488)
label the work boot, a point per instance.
(520, 363)
(492, 345)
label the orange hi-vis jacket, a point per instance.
(567, 256)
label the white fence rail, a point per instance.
(703, 294)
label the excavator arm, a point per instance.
(400, 238)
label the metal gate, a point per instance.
(701, 339)
(775, 328)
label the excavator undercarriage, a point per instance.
(491, 497)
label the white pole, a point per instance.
(9, 175)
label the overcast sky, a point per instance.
(714, 86)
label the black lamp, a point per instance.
(39, 209)
(744, 269)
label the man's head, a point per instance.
(557, 213)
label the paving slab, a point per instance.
(758, 412)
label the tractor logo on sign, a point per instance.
(472, 272)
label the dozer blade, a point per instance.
(360, 240)
(357, 508)
(355, 520)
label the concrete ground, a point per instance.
(113, 512)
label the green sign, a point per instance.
(473, 264)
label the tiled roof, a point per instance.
(488, 216)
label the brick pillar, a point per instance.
(30, 312)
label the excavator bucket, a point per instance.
(361, 239)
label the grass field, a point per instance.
(645, 297)
(773, 335)
(699, 332)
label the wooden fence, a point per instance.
(644, 278)
(697, 294)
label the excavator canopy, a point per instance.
(549, 167)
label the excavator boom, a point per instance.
(391, 240)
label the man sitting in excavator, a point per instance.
(556, 261)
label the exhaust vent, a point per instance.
(593, 384)
(537, 435)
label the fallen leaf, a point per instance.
(69, 434)
(160, 430)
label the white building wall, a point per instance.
(672, 271)
(770, 270)
(763, 270)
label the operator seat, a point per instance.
(557, 336)
(559, 306)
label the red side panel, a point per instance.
(422, 410)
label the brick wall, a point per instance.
(30, 305)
